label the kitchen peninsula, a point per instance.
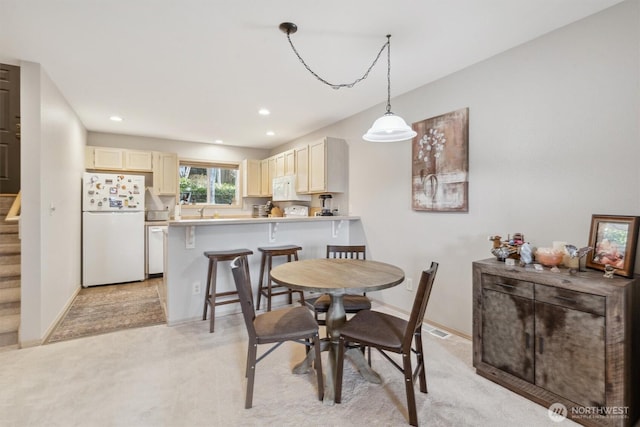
(187, 240)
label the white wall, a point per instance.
(53, 140)
(553, 139)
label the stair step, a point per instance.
(10, 248)
(8, 228)
(9, 295)
(5, 203)
(9, 259)
(9, 238)
(10, 308)
(9, 323)
(9, 341)
(10, 282)
(9, 271)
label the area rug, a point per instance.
(104, 309)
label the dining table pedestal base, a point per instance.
(337, 277)
(336, 317)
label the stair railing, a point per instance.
(14, 211)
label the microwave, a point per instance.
(284, 189)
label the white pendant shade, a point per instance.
(389, 128)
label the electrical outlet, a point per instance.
(408, 283)
(196, 288)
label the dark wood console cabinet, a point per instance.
(560, 338)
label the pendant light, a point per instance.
(388, 128)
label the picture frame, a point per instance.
(440, 163)
(614, 239)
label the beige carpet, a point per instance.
(183, 376)
(103, 309)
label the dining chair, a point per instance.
(389, 333)
(352, 303)
(273, 327)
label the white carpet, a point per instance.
(183, 376)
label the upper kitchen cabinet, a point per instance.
(141, 161)
(251, 178)
(285, 163)
(104, 158)
(279, 159)
(115, 159)
(290, 162)
(328, 166)
(265, 178)
(165, 173)
(302, 169)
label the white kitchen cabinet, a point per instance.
(251, 178)
(279, 158)
(290, 162)
(118, 159)
(328, 160)
(265, 178)
(88, 157)
(285, 163)
(140, 161)
(302, 169)
(165, 173)
(105, 158)
(271, 161)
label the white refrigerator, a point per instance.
(112, 228)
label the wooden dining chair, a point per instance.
(352, 303)
(273, 327)
(388, 333)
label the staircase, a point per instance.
(9, 277)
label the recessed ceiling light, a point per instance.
(270, 133)
(264, 112)
(115, 118)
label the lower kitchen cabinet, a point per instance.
(560, 338)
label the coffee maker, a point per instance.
(326, 210)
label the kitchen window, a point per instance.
(209, 183)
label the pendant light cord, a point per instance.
(366, 74)
(388, 73)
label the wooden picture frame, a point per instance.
(440, 163)
(614, 239)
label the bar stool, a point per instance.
(210, 295)
(267, 257)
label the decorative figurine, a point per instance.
(526, 254)
(509, 248)
(608, 271)
(574, 252)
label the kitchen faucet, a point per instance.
(201, 212)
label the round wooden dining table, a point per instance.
(337, 277)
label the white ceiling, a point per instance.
(199, 70)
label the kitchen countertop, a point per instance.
(156, 223)
(227, 221)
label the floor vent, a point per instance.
(437, 332)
